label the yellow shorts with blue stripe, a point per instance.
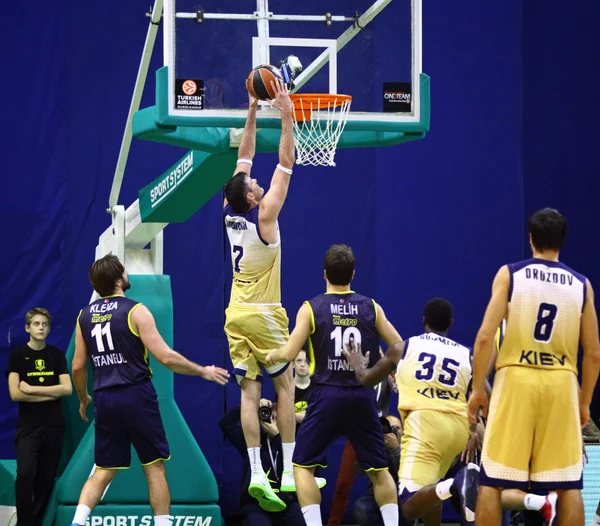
(252, 332)
(431, 442)
(533, 436)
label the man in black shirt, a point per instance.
(37, 379)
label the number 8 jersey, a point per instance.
(545, 302)
(434, 374)
(117, 354)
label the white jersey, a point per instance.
(256, 263)
(546, 299)
(434, 374)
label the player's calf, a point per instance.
(570, 508)
(386, 496)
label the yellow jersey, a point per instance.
(545, 303)
(434, 374)
(256, 263)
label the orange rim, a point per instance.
(304, 102)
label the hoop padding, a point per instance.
(319, 120)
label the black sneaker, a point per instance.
(466, 488)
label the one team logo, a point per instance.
(40, 365)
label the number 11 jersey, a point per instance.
(545, 299)
(434, 374)
(116, 352)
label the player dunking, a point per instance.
(339, 405)
(533, 437)
(255, 320)
(116, 333)
(433, 375)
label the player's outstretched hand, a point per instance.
(354, 355)
(584, 414)
(282, 96)
(252, 101)
(478, 400)
(215, 374)
(272, 358)
(83, 407)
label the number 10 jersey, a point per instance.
(339, 319)
(546, 299)
(434, 374)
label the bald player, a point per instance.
(533, 437)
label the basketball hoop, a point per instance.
(319, 120)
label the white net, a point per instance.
(318, 126)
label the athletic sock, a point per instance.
(389, 514)
(312, 515)
(534, 502)
(442, 489)
(288, 453)
(255, 461)
(163, 520)
(82, 512)
(595, 520)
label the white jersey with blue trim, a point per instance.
(545, 303)
(256, 263)
(434, 374)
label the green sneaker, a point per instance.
(261, 490)
(288, 483)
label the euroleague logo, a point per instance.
(189, 87)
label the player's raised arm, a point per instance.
(298, 338)
(273, 200)
(591, 354)
(484, 343)
(381, 370)
(247, 147)
(384, 327)
(143, 324)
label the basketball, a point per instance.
(259, 81)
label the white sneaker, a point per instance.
(288, 483)
(261, 490)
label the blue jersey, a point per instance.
(117, 354)
(339, 318)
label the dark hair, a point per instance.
(548, 229)
(438, 314)
(236, 190)
(37, 311)
(105, 273)
(339, 265)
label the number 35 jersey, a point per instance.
(434, 374)
(545, 302)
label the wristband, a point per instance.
(288, 171)
(247, 161)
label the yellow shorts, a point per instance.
(533, 435)
(252, 332)
(431, 441)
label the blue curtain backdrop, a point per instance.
(514, 128)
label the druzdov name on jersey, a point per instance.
(146, 520)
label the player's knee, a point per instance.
(284, 383)
(156, 469)
(105, 475)
(409, 510)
